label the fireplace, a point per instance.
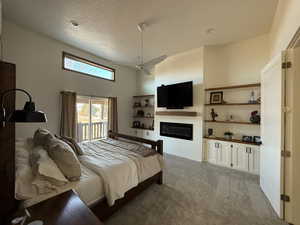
(177, 130)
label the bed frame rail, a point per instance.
(156, 145)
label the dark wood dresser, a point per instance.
(66, 208)
(7, 144)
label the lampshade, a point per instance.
(22, 116)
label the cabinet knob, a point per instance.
(248, 150)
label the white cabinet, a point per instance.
(223, 154)
(218, 153)
(239, 157)
(212, 153)
(234, 155)
(254, 159)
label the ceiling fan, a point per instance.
(146, 66)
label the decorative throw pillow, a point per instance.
(72, 143)
(40, 136)
(64, 157)
(44, 168)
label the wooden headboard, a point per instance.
(7, 144)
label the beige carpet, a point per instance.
(199, 194)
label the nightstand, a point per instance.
(66, 208)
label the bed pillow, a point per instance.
(40, 137)
(64, 157)
(72, 143)
(44, 168)
(27, 183)
(24, 176)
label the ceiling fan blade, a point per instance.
(155, 61)
(146, 71)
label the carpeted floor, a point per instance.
(199, 194)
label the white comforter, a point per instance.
(120, 169)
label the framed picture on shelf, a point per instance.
(216, 97)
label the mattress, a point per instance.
(92, 186)
(89, 188)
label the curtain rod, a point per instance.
(92, 96)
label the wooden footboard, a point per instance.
(156, 145)
(103, 211)
(101, 208)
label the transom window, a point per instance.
(86, 67)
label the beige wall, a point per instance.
(39, 71)
(236, 63)
(285, 24)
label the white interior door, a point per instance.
(272, 132)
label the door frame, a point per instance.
(287, 161)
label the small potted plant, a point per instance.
(228, 135)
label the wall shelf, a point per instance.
(143, 96)
(232, 122)
(232, 140)
(233, 87)
(140, 128)
(175, 113)
(149, 106)
(238, 104)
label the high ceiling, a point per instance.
(107, 28)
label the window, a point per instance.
(92, 118)
(84, 66)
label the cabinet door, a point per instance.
(240, 157)
(223, 154)
(212, 151)
(254, 158)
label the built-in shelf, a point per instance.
(233, 122)
(175, 113)
(233, 87)
(140, 128)
(144, 117)
(149, 106)
(232, 140)
(143, 96)
(224, 104)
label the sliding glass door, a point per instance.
(92, 118)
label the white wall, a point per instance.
(187, 66)
(235, 64)
(39, 70)
(222, 65)
(285, 24)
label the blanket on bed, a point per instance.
(120, 167)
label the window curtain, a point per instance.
(68, 125)
(112, 114)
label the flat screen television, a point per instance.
(175, 96)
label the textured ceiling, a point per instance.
(108, 27)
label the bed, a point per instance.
(113, 171)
